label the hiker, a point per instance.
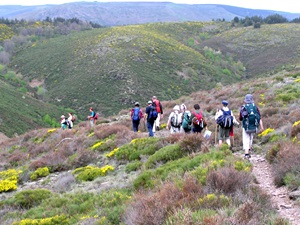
(136, 115)
(159, 110)
(198, 122)
(92, 117)
(63, 122)
(186, 125)
(225, 121)
(70, 120)
(174, 121)
(251, 121)
(150, 118)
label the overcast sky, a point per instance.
(278, 5)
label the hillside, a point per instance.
(20, 112)
(126, 13)
(111, 68)
(111, 175)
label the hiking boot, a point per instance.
(247, 156)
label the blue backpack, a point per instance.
(225, 120)
(153, 113)
(136, 114)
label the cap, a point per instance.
(149, 102)
(176, 107)
(62, 116)
(137, 103)
(224, 102)
(248, 99)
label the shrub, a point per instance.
(191, 143)
(167, 153)
(212, 201)
(228, 180)
(133, 166)
(29, 198)
(40, 172)
(89, 173)
(138, 147)
(56, 220)
(272, 153)
(9, 179)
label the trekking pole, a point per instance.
(216, 134)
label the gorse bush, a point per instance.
(56, 220)
(40, 172)
(89, 173)
(9, 179)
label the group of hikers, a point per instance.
(181, 120)
(67, 123)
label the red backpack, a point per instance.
(157, 105)
(197, 120)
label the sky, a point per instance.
(278, 5)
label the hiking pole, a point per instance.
(216, 134)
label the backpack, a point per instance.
(186, 121)
(157, 106)
(175, 120)
(198, 120)
(225, 120)
(136, 114)
(153, 113)
(96, 115)
(251, 118)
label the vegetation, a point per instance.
(166, 176)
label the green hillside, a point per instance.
(111, 68)
(20, 112)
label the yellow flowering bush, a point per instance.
(112, 153)
(97, 145)
(296, 123)
(56, 220)
(51, 131)
(266, 132)
(297, 80)
(89, 173)
(214, 201)
(9, 180)
(40, 172)
(242, 166)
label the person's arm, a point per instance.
(260, 122)
(141, 114)
(161, 111)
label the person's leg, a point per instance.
(150, 128)
(227, 136)
(246, 142)
(221, 135)
(134, 126)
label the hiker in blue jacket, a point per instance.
(150, 121)
(136, 115)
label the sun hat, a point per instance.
(62, 116)
(248, 99)
(149, 102)
(176, 108)
(224, 102)
(136, 103)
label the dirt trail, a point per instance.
(279, 196)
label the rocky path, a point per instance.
(279, 196)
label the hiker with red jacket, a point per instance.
(136, 115)
(159, 110)
(198, 122)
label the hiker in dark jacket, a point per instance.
(136, 115)
(249, 134)
(150, 121)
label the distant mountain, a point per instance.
(124, 13)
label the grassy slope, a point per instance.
(110, 68)
(20, 113)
